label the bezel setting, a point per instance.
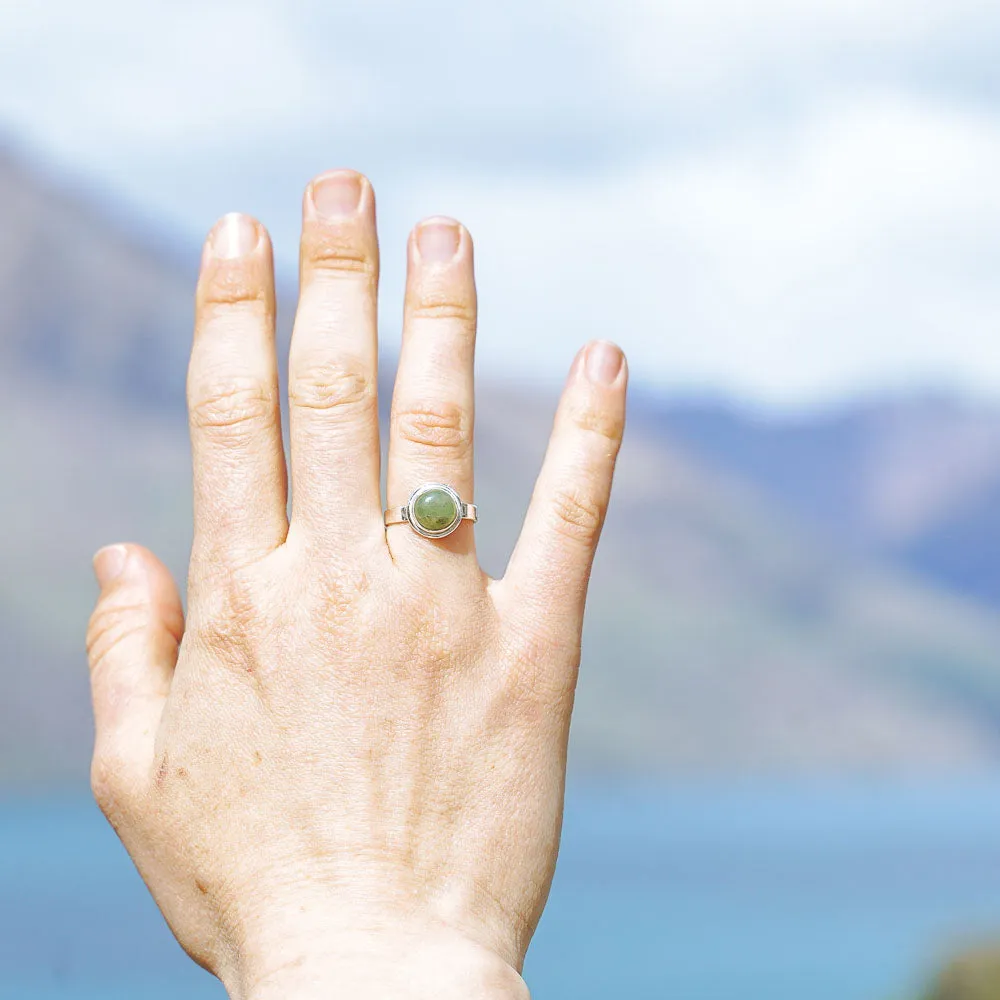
(460, 509)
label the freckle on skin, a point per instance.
(201, 887)
(182, 772)
(257, 758)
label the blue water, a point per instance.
(776, 892)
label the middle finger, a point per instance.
(332, 379)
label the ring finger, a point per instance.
(430, 433)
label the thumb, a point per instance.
(132, 643)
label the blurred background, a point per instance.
(786, 756)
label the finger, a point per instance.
(333, 365)
(549, 570)
(132, 646)
(430, 431)
(233, 402)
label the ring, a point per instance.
(433, 510)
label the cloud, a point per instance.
(188, 70)
(149, 76)
(787, 199)
(801, 263)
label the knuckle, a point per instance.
(111, 624)
(228, 608)
(606, 424)
(331, 387)
(342, 589)
(230, 621)
(577, 516)
(445, 307)
(339, 258)
(233, 288)
(220, 632)
(531, 685)
(230, 404)
(226, 640)
(443, 426)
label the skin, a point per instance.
(343, 774)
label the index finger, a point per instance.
(233, 402)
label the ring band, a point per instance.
(433, 510)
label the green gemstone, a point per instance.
(435, 510)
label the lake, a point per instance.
(776, 891)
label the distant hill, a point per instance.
(914, 481)
(725, 634)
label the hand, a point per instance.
(344, 775)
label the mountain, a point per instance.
(725, 632)
(914, 481)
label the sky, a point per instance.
(790, 201)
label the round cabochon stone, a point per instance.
(435, 509)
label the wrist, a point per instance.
(398, 966)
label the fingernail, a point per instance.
(603, 362)
(235, 235)
(336, 195)
(109, 563)
(438, 240)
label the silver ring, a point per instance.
(433, 510)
